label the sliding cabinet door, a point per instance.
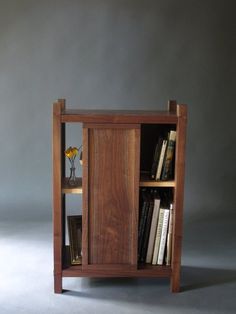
(111, 185)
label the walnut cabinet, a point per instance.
(117, 150)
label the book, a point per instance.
(156, 157)
(162, 245)
(161, 159)
(142, 220)
(158, 236)
(75, 238)
(147, 231)
(167, 172)
(169, 237)
(153, 229)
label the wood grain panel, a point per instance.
(113, 182)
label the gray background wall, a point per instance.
(116, 54)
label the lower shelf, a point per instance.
(145, 270)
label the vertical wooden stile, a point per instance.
(58, 203)
(85, 198)
(178, 197)
(134, 237)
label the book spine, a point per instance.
(147, 232)
(158, 236)
(169, 157)
(169, 237)
(153, 230)
(163, 237)
(161, 159)
(143, 214)
(156, 158)
(154, 163)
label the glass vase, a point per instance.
(72, 177)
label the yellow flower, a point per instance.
(74, 151)
(71, 152)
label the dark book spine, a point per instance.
(156, 158)
(146, 232)
(144, 206)
(167, 171)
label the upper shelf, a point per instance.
(118, 116)
(146, 182)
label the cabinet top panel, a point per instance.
(118, 116)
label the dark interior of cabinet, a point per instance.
(165, 194)
(150, 134)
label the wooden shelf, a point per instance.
(155, 271)
(145, 270)
(68, 189)
(146, 182)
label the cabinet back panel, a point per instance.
(113, 176)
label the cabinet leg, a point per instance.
(57, 283)
(175, 282)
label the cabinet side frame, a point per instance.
(58, 139)
(181, 111)
(85, 198)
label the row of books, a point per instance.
(155, 228)
(163, 159)
(154, 233)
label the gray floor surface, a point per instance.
(208, 276)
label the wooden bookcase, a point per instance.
(109, 187)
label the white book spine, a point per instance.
(169, 238)
(153, 230)
(163, 237)
(158, 236)
(161, 159)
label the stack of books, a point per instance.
(163, 159)
(155, 229)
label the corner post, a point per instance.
(181, 111)
(58, 138)
(172, 106)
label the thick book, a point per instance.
(158, 236)
(169, 237)
(75, 238)
(161, 159)
(162, 246)
(156, 158)
(153, 229)
(167, 172)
